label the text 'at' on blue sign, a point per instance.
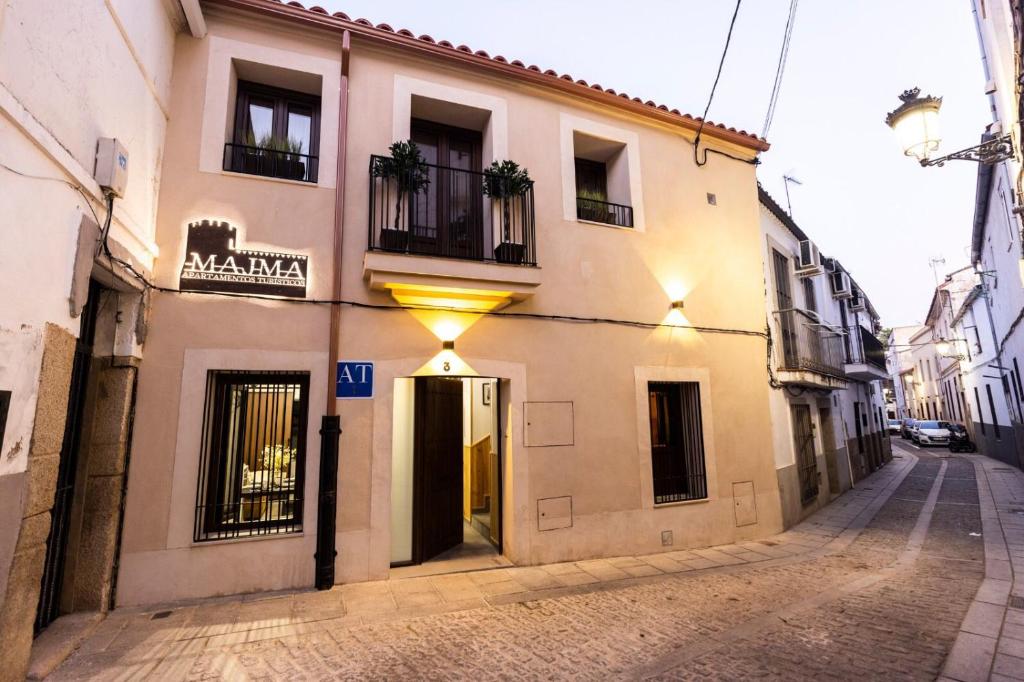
(354, 380)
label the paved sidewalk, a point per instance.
(991, 640)
(172, 642)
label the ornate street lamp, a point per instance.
(916, 123)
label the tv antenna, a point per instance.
(934, 263)
(786, 179)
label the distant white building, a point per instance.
(988, 321)
(828, 369)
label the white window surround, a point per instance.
(495, 132)
(569, 124)
(700, 375)
(188, 443)
(219, 102)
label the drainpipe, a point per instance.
(330, 425)
(339, 217)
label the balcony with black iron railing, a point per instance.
(270, 163)
(808, 351)
(865, 355)
(457, 213)
(598, 211)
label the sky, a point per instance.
(863, 202)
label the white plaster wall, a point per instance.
(70, 73)
(108, 63)
(402, 470)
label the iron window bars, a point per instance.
(253, 457)
(606, 212)
(677, 442)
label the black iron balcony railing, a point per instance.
(451, 216)
(242, 158)
(863, 348)
(807, 344)
(604, 212)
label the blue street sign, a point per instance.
(354, 380)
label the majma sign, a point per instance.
(214, 263)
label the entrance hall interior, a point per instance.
(445, 476)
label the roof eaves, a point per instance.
(773, 207)
(981, 200)
(339, 21)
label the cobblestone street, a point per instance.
(880, 584)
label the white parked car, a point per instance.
(931, 433)
(895, 425)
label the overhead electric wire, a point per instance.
(714, 86)
(780, 68)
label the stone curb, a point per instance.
(982, 650)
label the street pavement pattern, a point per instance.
(874, 586)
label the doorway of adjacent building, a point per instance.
(49, 607)
(828, 444)
(446, 478)
(806, 462)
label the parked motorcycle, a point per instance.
(959, 439)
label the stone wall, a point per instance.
(35, 495)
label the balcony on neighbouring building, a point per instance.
(808, 352)
(450, 232)
(865, 355)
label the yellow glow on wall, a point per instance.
(444, 324)
(446, 363)
(675, 288)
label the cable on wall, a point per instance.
(721, 62)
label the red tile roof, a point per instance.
(320, 17)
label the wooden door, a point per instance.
(828, 444)
(437, 468)
(448, 213)
(806, 462)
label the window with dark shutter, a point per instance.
(677, 442)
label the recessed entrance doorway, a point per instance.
(446, 476)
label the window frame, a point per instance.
(214, 455)
(281, 101)
(692, 434)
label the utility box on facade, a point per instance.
(111, 166)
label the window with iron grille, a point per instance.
(677, 442)
(253, 458)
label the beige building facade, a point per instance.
(527, 336)
(558, 358)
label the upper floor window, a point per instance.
(275, 133)
(602, 181)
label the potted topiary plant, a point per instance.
(407, 168)
(504, 182)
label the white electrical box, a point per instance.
(111, 166)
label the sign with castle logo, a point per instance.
(213, 262)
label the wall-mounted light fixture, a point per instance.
(916, 123)
(676, 305)
(448, 344)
